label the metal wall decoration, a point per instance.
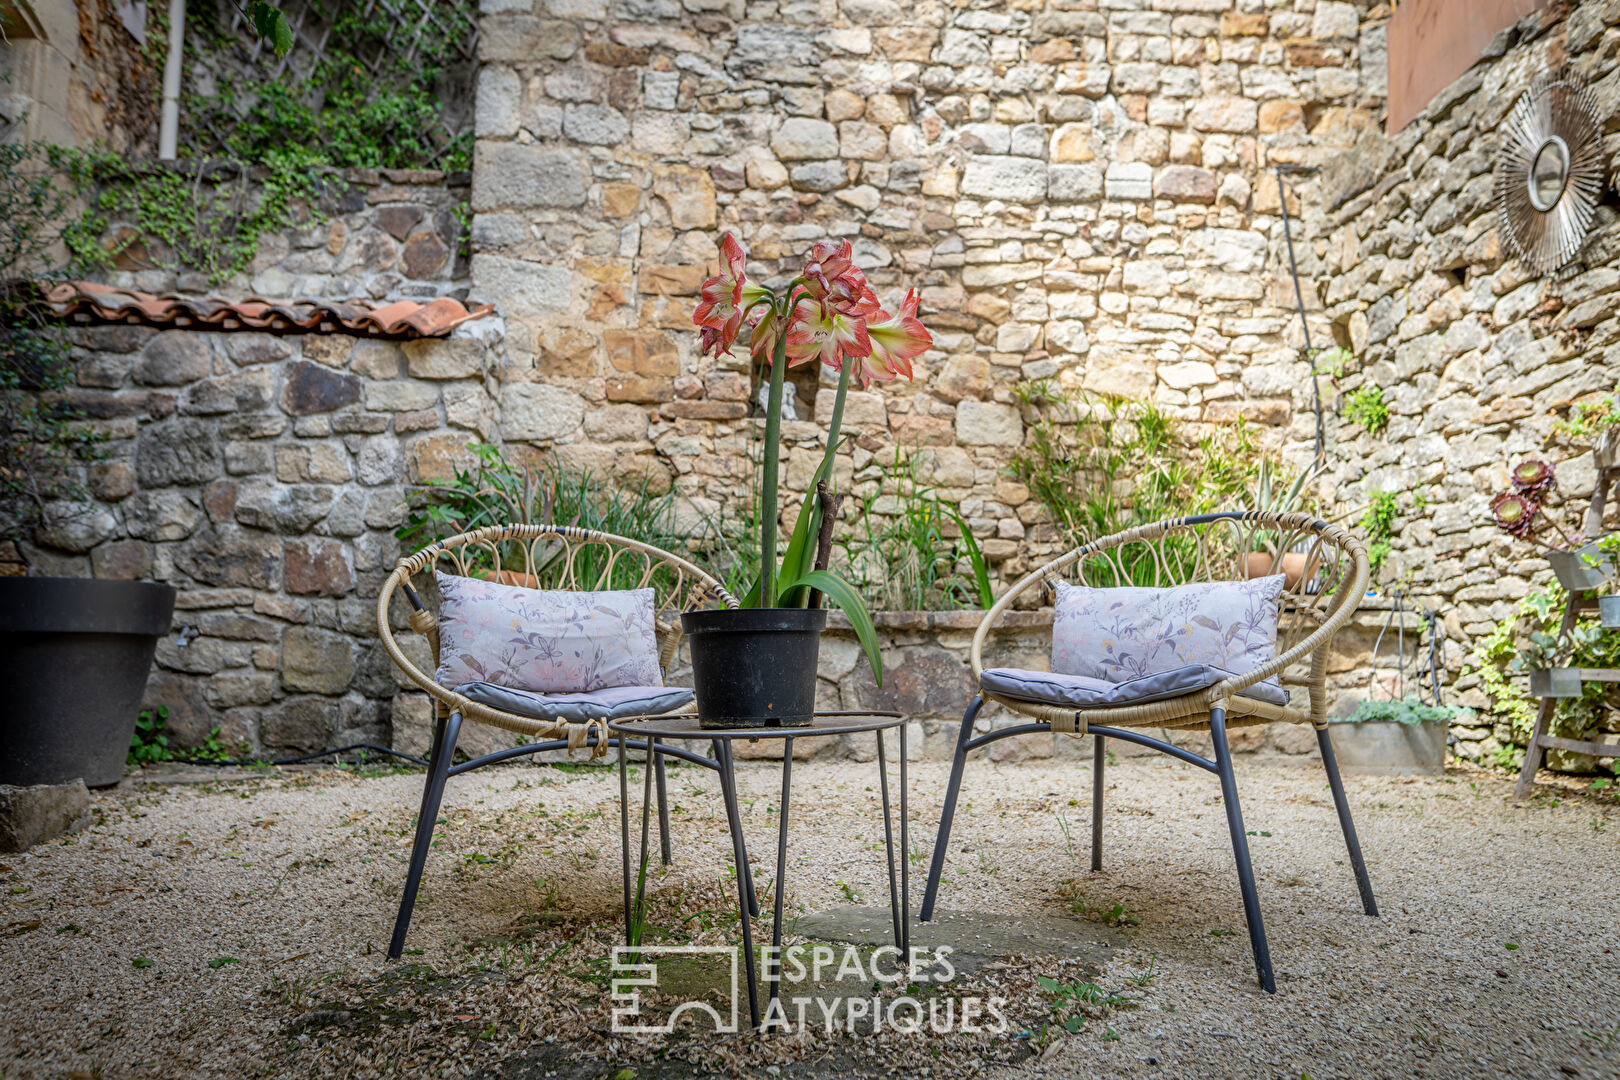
(1550, 173)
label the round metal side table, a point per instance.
(686, 728)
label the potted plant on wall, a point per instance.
(756, 666)
(74, 653)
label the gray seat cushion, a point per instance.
(1085, 692)
(612, 702)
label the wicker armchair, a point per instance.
(1322, 591)
(558, 557)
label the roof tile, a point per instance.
(90, 302)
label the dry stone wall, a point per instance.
(1081, 191)
(1477, 356)
(264, 475)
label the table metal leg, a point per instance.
(728, 788)
(640, 910)
(726, 781)
(663, 800)
(624, 840)
(781, 868)
(888, 842)
(905, 857)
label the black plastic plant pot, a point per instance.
(74, 656)
(755, 667)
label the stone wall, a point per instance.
(1081, 191)
(263, 475)
(1477, 356)
(382, 234)
(1084, 195)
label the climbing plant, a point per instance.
(1527, 640)
(43, 447)
(202, 217)
(261, 141)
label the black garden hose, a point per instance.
(307, 757)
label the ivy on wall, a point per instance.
(374, 94)
(262, 138)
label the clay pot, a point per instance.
(1260, 564)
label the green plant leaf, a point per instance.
(800, 555)
(849, 601)
(271, 26)
(981, 568)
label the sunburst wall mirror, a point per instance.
(1550, 173)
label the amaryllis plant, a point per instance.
(826, 314)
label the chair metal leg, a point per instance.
(444, 746)
(728, 791)
(1098, 760)
(1331, 764)
(663, 800)
(936, 865)
(1240, 849)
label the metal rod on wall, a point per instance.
(169, 123)
(1299, 298)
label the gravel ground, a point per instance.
(237, 929)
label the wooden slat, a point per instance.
(1576, 746)
(1600, 674)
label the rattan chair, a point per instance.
(1318, 599)
(560, 557)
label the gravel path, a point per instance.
(195, 931)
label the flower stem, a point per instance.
(837, 416)
(773, 454)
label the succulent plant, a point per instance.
(1533, 478)
(1515, 514)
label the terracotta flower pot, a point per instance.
(1260, 564)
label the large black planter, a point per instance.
(755, 667)
(74, 656)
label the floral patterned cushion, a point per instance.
(1120, 634)
(547, 642)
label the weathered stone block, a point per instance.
(316, 661)
(228, 556)
(520, 287)
(511, 174)
(641, 352)
(301, 725)
(445, 358)
(688, 193)
(1010, 179)
(1074, 183)
(41, 813)
(174, 358)
(318, 566)
(1231, 114)
(801, 138)
(161, 515)
(1185, 183)
(312, 388)
(179, 451)
(535, 411)
(988, 423)
(124, 560)
(525, 38)
(284, 508)
(401, 396)
(1129, 180)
